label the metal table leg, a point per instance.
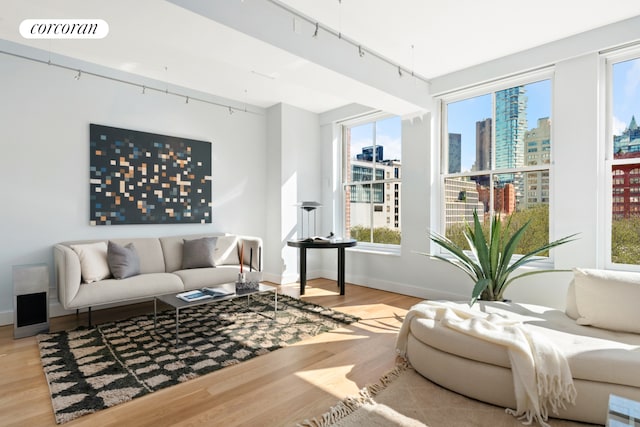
(341, 270)
(303, 269)
(275, 304)
(177, 324)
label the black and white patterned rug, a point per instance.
(89, 369)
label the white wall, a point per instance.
(44, 166)
(294, 174)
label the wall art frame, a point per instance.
(145, 178)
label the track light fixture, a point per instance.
(186, 100)
(143, 88)
(337, 32)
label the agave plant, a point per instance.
(490, 265)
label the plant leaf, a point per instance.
(509, 249)
(495, 246)
(458, 253)
(527, 258)
(480, 246)
(479, 287)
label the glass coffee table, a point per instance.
(228, 288)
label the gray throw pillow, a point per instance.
(123, 260)
(198, 253)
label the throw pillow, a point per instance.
(227, 251)
(123, 260)
(93, 261)
(571, 309)
(608, 299)
(199, 253)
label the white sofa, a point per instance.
(598, 332)
(160, 268)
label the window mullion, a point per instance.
(373, 178)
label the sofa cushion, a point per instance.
(608, 299)
(252, 253)
(93, 261)
(196, 278)
(123, 260)
(149, 252)
(136, 287)
(227, 251)
(571, 308)
(199, 253)
(172, 247)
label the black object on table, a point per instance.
(303, 245)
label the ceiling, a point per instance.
(255, 52)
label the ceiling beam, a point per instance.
(270, 22)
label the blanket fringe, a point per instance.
(350, 404)
(557, 397)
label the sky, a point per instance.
(626, 94)
(388, 134)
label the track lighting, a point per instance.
(143, 88)
(337, 32)
(186, 100)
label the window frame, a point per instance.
(442, 161)
(608, 60)
(370, 118)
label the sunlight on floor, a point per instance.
(330, 379)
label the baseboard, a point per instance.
(6, 318)
(397, 287)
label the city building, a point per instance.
(627, 144)
(511, 126)
(461, 199)
(538, 151)
(367, 153)
(625, 180)
(504, 198)
(455, 152)
(385, 196)
(483, 145)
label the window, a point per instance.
(623, 159)
(496, 153)
(372, 162)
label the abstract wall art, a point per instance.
(145, 178)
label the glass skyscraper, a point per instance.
(511, 125)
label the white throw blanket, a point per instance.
(541, 376)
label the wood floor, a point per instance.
(278, 389)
